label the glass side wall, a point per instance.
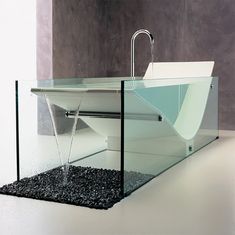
(152, 124)
(59, 126)
(164, 121)
(37, 146)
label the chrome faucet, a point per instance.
(133, 47)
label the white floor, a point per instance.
(195, 197)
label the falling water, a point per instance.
(55, 130)
(66, 168)
(64, 163)
(152, 54)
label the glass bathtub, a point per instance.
(137, 127)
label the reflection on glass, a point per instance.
(164, 122)
(139, 128)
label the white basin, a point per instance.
(105, 97)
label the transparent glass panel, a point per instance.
(69, 131)
(69, 122)
(37, 145)
(209, 128)
(165, 120)
(138, 127)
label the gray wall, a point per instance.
(210, 35)
(91, 38)
(44, 39)
(163, 18)
(79, 30)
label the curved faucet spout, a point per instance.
(140, 31)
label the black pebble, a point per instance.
(86, 186)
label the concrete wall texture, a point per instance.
(91, 38)
(44, 39)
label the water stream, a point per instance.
(66, 168)
(152, 54)
(64, 156)
(55, 130)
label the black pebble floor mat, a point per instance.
(89, 187)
